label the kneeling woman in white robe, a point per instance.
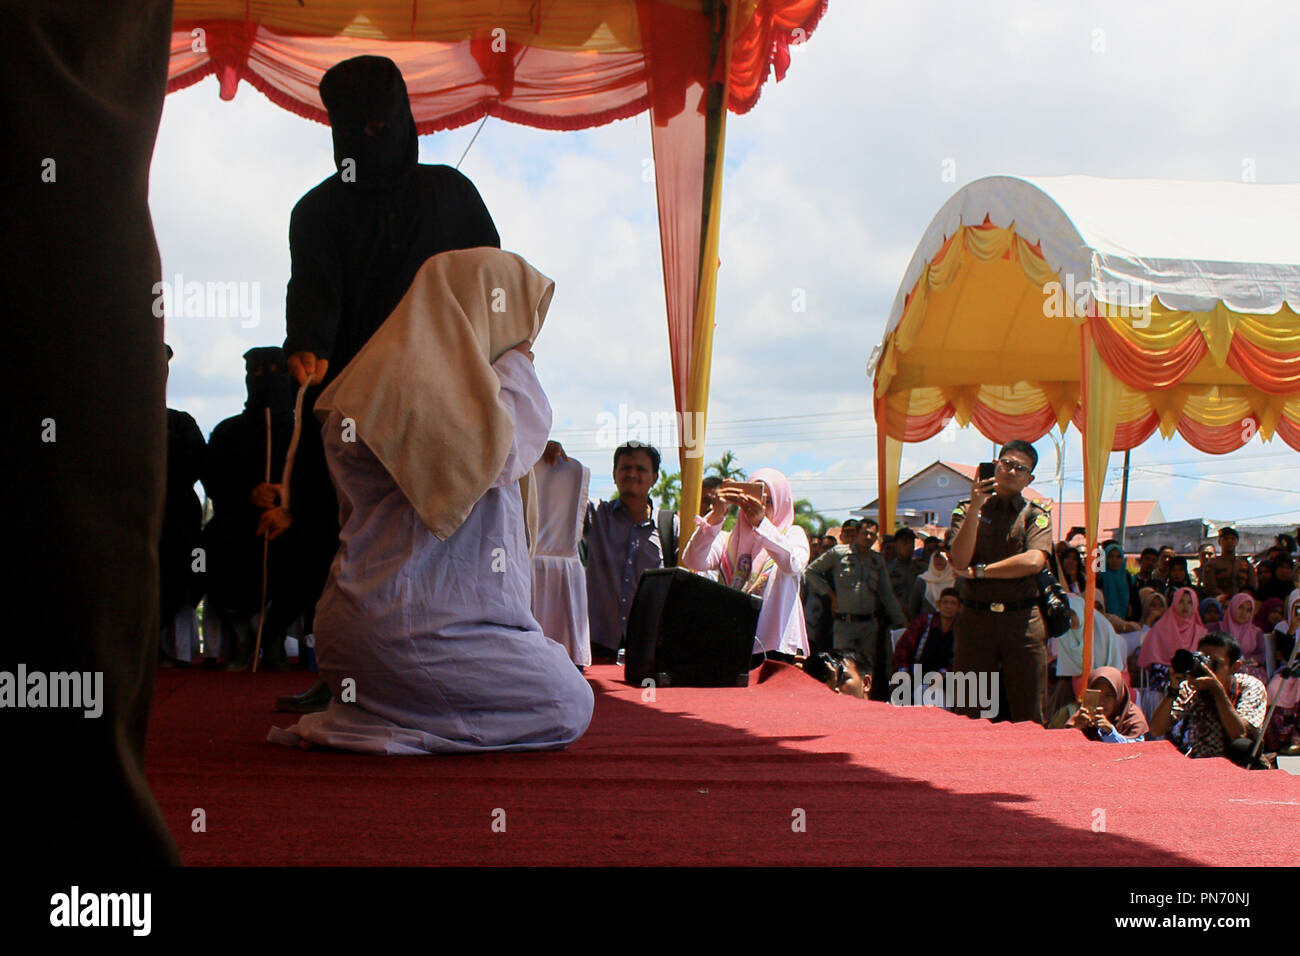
(765, 554)
(424, 632)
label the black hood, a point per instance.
(270, 389)
(364, 90)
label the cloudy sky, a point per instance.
(830, 182)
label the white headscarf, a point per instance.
(936, 581)
(1108, 649)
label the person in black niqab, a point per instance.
(181, 587)
(356, 241)
(236, 483)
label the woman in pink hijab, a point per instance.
(1238, 622)
(1283, 733)
(1178, 627)
(765, 555)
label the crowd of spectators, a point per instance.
(875, 606)
(1238, 613)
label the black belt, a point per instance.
(854, 617)
(1001, 607)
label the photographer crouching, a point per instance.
(1215, 703)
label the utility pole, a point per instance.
(1059, 443)
(1123, 502)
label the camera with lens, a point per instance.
(1189, 662)
(825, 666)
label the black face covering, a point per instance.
(362, 91)
(269, 389)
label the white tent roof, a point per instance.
(1127, 240)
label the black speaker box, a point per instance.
(684, 630)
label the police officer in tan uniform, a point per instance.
(1219, 574)
(1000, 541)
(857, 582)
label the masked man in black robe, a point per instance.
(236, 480)
(181, 584)
(355, 242)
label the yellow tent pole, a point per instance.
(1100, 406)
(889, 457)
(697, 385)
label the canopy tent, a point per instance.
(552, 64)
(1123, 306)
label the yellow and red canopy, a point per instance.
(1123, 306)
(552, 64)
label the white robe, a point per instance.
(781, 622)
(559, 579)
(434, 638)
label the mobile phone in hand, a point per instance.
(752, 488)
(985, 470)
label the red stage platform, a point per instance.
(782, 772)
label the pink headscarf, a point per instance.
(1171, 632)
(1287, 692)
(745, 540)
(1247, 634)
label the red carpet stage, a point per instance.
(782, 772)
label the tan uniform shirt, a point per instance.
(1007, 528)
(858, 579)
(1218, 576)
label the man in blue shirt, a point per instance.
(622, 538)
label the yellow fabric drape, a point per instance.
(697, 389)
(1101, 399)
(889, 457)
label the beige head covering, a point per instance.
(422, 391)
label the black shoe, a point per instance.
(316, 698)
(603, 655)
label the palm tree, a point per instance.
(667, 493)
(808, 518)
(726, 468)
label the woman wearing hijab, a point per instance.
(1238, 623)
(765, 555)
(1117, 720)
(1108, 650)
(1271, 612)
(1179, 627)
(425, 633)
(930, 584)
(1272, 623)
(1154, 606)
(1118, 586)
(1072, 570)
(1283, 732)
(1211, 613)
(1279, 580)
(1179, 578)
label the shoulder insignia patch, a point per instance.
(1042, 521)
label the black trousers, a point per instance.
(83, 392)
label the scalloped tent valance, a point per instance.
(552, 64)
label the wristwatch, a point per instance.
(977, 570)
